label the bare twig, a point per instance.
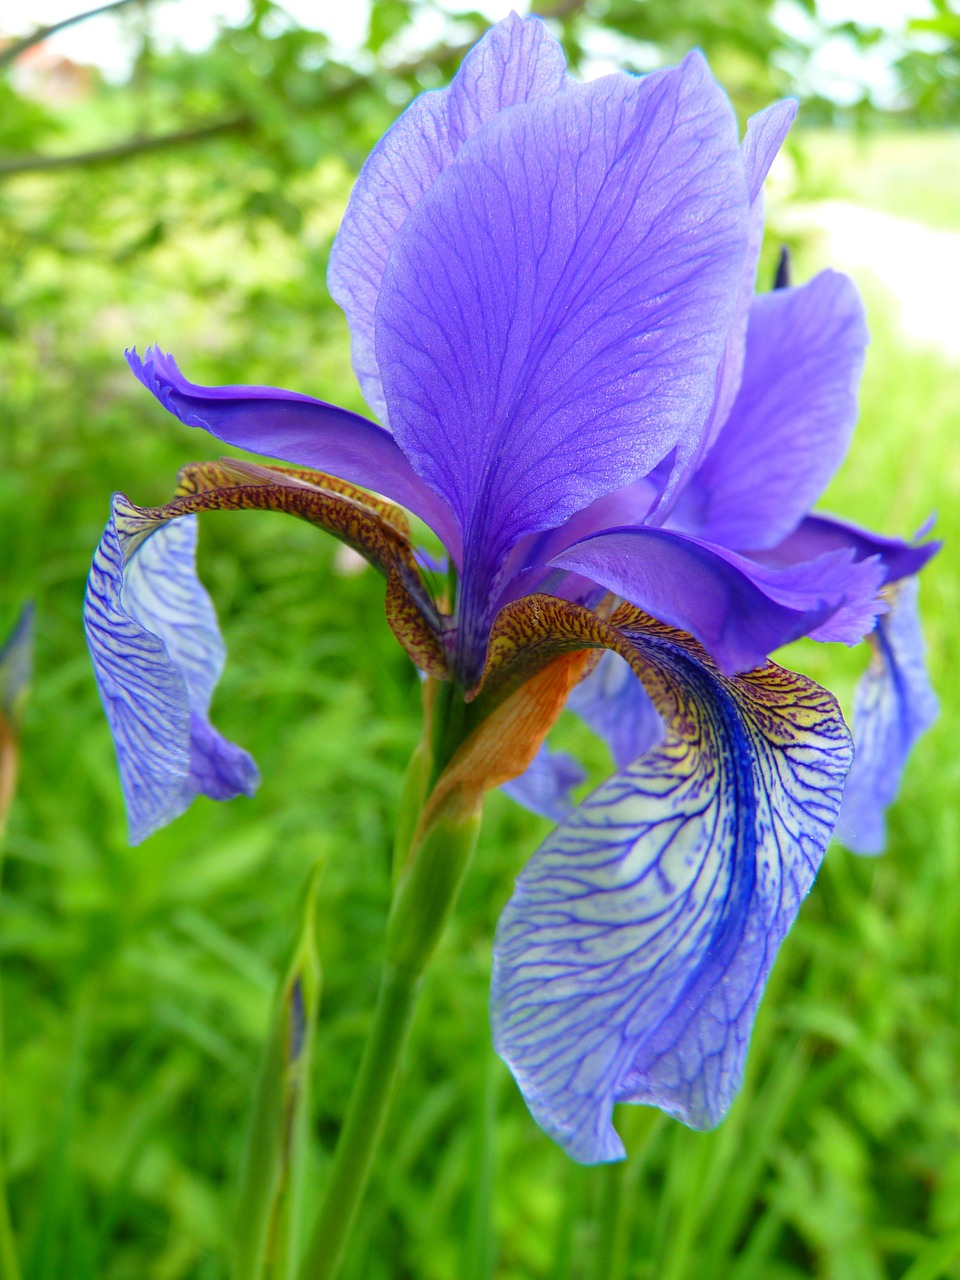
(133, 147)
(13, 51)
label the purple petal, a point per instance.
(819, 534)
(553, 310)
(764, 136)
(630, 961)
(615, 705)
(791, 423)
(893, 706)
(546, 786)
(297, 429)
(517, 60)
(738, 609)
(157, 654)
(16, 666)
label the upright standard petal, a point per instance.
(157, 654)
(553, 310)
(893, 706)
(630, 961)
(516, 61)
(298, 429)
(790, 425)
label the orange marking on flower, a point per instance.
(504, 744)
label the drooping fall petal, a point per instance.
(895, 703)
(630, 961)
(158, 654)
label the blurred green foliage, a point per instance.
(138, 983)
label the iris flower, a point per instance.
(550, 292)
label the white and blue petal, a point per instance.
(894, 704)
(631, 958)
(158, 654)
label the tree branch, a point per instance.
(13, 51)
(134, 147)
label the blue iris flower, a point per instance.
(550, 288)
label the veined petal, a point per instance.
(790, 425)
(739, 609)
(546, 785)
(893, 706)
(553, 310)
(298, 429)
(629, 963)
(158, 654)
(516, 61)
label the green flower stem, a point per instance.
(9, 1262)
(422, 904)
(618, 1193)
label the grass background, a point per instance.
(137, 982)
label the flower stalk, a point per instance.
(427, 883)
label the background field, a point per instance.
(137, 982)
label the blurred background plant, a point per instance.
(167, 175)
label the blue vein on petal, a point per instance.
(158, 654)
(630, 960)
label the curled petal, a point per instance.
(553, 310)
(893, 706)
(297, 429)
(630, 961)
(516, 61)
(157, 654)
(372, 527)
(739, 609)
(816, 535)
(546, 785)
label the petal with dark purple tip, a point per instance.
(553, 310)
(158, 654)
(518, 59)
(893, 706)
(630, 961)
(739, 609)
(817, 535)
(297, 429)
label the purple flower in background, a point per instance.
(550, 291)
